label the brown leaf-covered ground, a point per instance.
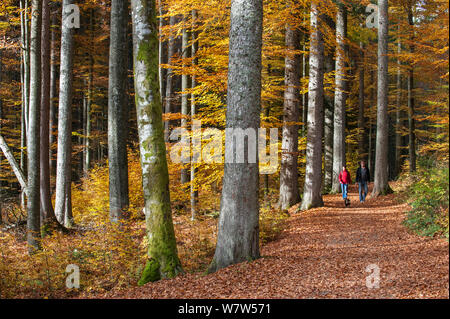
(323, 253)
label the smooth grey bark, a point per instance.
(340, 97)
(328, 129)
(33, 203)
(87, 124)
(163, 259)
(411, 120)
(26, 61)
(53, 91)
(362, 140)
(20, 175)
(162, 54)
(117, 111)
(289, 188)
(328, 100)
(25, 67)
(238, 228)
(398, 115)
(184, 95)
(194, 50)
(64, 156)
(169, 96)
(381, 185)
(47, 212)
(312, 196)
(371, 156)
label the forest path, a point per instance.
(323, 253)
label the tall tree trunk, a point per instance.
(371, 155)
(162, 55)
(398, 115)
(195, 139)
(163, 259)
(1, 118)
(362, 137)
(411, 121)
(312, 196)
(340, 97)
(117, 111)
(64, 153)
(381, 185)
(328, 99)
(25, 88)
(88, 100)
(184, 95)
(168, 105)
(53, 81)
(33, 203)
(289, 189)
(47, 213)
(238, 229)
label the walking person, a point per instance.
(363, 179)
(345, 179)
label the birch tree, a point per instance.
(163, 259)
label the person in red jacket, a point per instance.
(345, 179)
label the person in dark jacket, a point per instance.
(363, 179)
(345, 179)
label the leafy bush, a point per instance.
(271, 223)
(429, 198)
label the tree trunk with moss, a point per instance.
(163, 259)
(238, 229)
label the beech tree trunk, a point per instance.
(163, 259)
(411, 121)
(328, 99)
(381, 185)
(312, 190)
(117, 111)
(398, 116)
(289, 189)
(340, 97)
(168, 105)
(238, 229)
(33, 203)
(362, 136)
(64, 153)
(184, 96)
(195, 140)
(53, 81)
(47, 212)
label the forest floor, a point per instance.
(324, 253)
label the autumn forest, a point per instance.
(224, 149)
